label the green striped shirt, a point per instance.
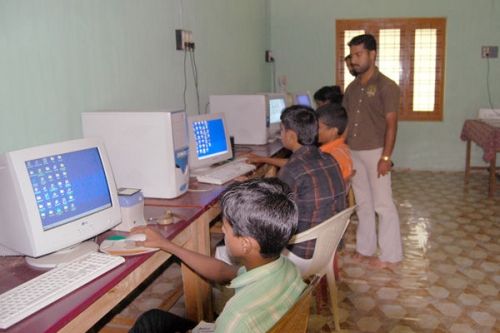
(262, 296)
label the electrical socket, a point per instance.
(269, 56)
(489, 51)
(183, 40)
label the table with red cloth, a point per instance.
(486, 134)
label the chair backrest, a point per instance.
(327, 235)
(295, 320)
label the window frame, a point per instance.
(407, 27)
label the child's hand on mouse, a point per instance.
(153, 237)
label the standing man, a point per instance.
(372, 103)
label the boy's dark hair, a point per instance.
(303, 121)
(332, 94)
(333, 116)
(367, 40)
(262, 209)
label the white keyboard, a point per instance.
(35, 294)
(225, 172)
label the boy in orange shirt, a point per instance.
(332, 120)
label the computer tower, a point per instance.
(246, 117)
(148, 150)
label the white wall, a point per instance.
(303, 42)
(61, 57)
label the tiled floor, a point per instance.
(449, 280)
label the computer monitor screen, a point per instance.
(208, 140)
(276, 103)
(68, 186)
(303, 99)
(276, 106)
(56, 196)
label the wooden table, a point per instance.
(80, 310)
(486, 134)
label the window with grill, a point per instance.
(410, 52)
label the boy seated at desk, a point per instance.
(332, 122)
(313, 176)
(259, 217)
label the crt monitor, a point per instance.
(54, 197)
(209, 141)
(276, 103)
(303, 98)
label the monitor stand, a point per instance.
(204, 170)
(199, 171)
(273, 135)
(273, 138)
(65, 255)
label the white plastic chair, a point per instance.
(327, 235)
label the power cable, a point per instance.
(185, 80)
(195, 76)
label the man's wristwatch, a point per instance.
(386, 158)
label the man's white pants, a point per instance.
(374, 195)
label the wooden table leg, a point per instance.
(493, 177)
(467, 162)
(197, 291)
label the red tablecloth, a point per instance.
(485, 133)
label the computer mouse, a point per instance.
(136, 237)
